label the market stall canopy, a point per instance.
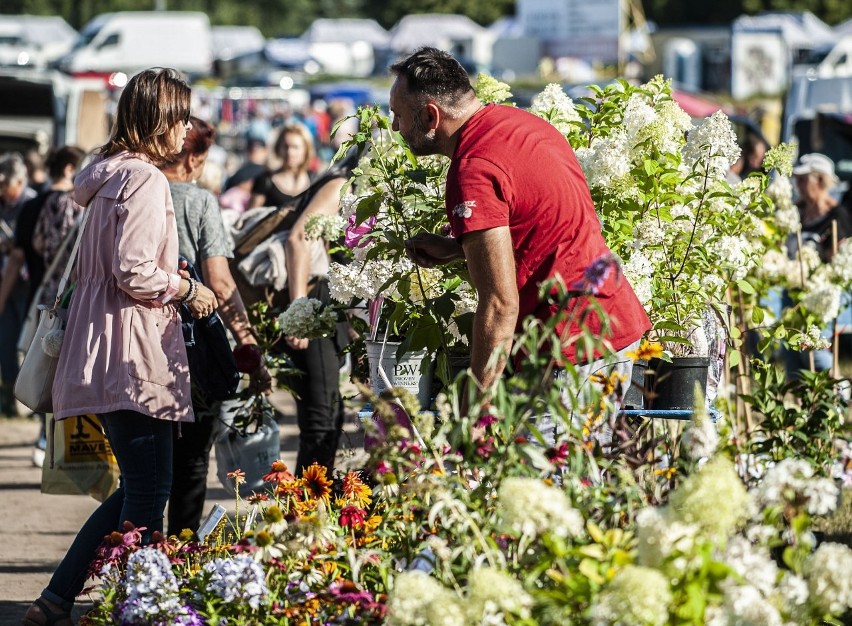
(698, 106)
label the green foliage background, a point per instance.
(292, 17)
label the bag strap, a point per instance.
(63, 282)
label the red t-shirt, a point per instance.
(511, 168)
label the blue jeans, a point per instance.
(143, 448)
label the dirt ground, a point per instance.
(36, 529)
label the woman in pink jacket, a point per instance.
(123, 357)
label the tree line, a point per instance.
(292, 17)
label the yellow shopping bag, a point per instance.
(83, 462)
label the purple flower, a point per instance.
(595, 275)
(355, 232)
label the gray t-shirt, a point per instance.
(201, 232)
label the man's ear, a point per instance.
(435, 115)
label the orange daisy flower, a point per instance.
(316, 482)
(278, 473)
(356, 491)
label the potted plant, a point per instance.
(684, 234)
(424, 313)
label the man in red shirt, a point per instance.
(520, 211)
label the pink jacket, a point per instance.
(123, 346)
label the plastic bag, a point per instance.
(251, 450)
(83, 462)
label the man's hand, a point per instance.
(429, 249)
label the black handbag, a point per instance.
(212, 368)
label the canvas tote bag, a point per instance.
(34, 385)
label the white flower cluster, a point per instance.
(743, 606)
(639, 272)
(841, 262)
(151, 589)
(531, 507)
(324, 227)
(752, 563)
(811, 339)
(364, 280)
(555, 106)
(700, 438)
(636, 596)
(307, 318)
(238, 579)
(492, 594)
(822, 296)
(417, 599)
(735, 254)
(661, 536)
(829, 580)
(792, 481)
(780, 191)
(711, 148)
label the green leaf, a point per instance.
(745, 286)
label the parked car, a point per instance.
(134, 40)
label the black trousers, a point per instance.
(319, 405)
(190, 463)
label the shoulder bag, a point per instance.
(212, 367)
(34, 385)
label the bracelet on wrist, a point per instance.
(190, 292)
(193, 292)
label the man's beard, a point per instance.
(422, 142)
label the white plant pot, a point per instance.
(410, 372)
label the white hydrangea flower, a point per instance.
(811, 339)
(417, 599)
(700, 438)
(324, 227)
(793, 481)
(307, 318)
(667, 132)
(607, 163)
(752, 563)
(841, 262)
(735, 253)
(637, 119)
(636, 596)
(492, 594)
(363, 280)
(829, 580)
(238, 579)
(792, 595)
(823, 300)
(660, 536)
(806, 262)
(711, 148)
(348, 205)
(555, 106)
(532, 507)
(745, 606)
(151, 589)
(639, 273)
(774, 266)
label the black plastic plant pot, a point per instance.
(671, 386)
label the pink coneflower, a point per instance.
(352, 516)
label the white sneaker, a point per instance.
(38, 457)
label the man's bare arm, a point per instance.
(491, 263)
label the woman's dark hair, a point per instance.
(434, 73)
(151, 105)
(198, 140)
(61, 158)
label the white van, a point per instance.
(132, 41)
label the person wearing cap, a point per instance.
(819, 210)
